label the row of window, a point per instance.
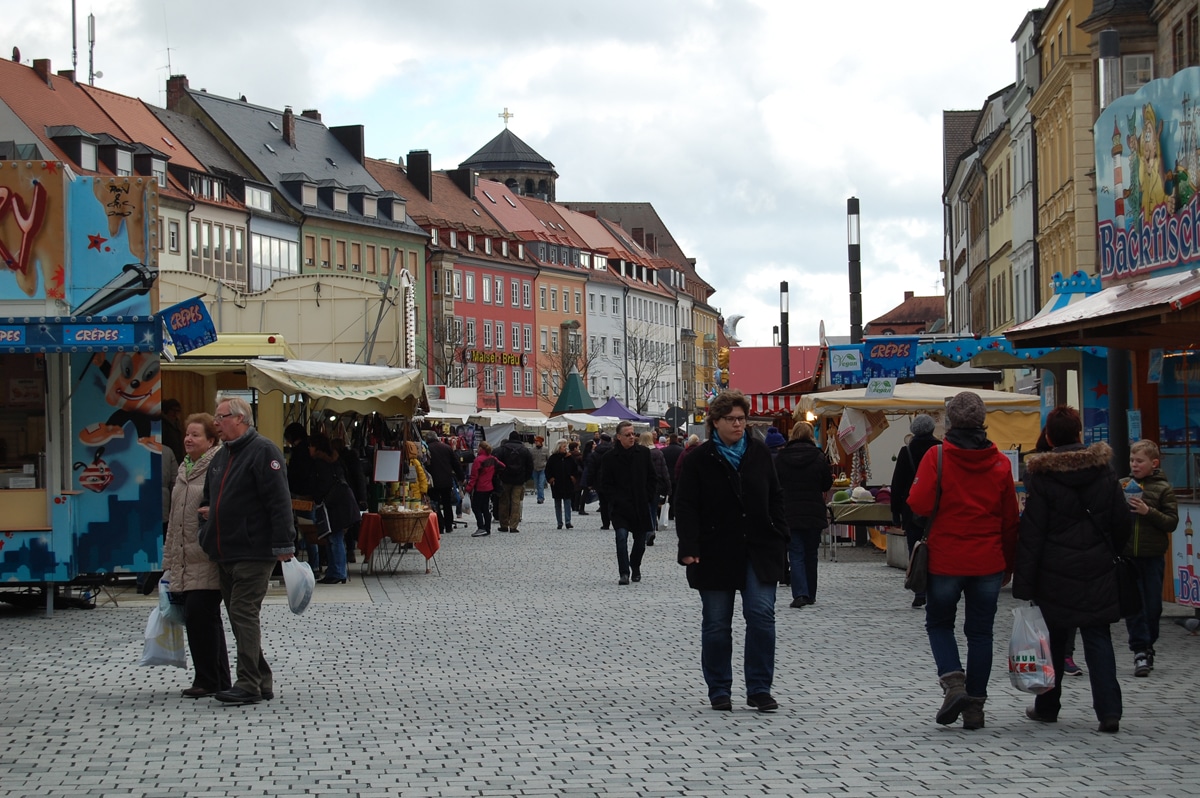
(494, 379)
(592, 304)
(452, 236)
(553, 293)
(599, 346)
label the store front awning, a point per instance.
(1153, 313)
(342, 387)
(772, 404)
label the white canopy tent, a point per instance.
(342, 387)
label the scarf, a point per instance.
(733, 454)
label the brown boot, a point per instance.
(972, 713)
(955, 690)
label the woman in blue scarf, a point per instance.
(733, 537)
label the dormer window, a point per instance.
(487, 246)
(520, 252)
(258, 198)
(158, 168)
(504, 248)
(341, 200)
(79, 146)
(585, 260)
(433, 236)
(470, 242)
(370, 207)
(124, 163)
(207, 187)
(308, 195)
(453, 239)
(87, 156)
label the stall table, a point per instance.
(858, 514)
(382, 554)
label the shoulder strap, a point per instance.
(937, 494)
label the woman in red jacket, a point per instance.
(482, 483)
(972, 543)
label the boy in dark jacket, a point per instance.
(805, 476)
(1155, 516)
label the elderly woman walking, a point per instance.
(733, 537)
(1076, 519)
(972, 542)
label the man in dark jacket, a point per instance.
(628, 480)
(444, 469)
(595, 474)
(248, 514)
(732, 537)
(1076, 519)
(907, 460)
(518, 468)
(671, 453)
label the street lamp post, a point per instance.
(784, 366)
(852, 241)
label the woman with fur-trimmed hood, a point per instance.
(1075, 520)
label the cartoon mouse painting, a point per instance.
(134, 388)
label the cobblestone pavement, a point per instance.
(524, 669)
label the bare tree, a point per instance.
(648, 362)
(443, 359)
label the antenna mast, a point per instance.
(91, 49)
(74, 40)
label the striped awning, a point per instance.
(768, 404)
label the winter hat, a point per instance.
(514, 436)
(861, 495)
(966, 411)
(922, 424)
(774, 439)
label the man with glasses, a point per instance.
(627, 479)
(248, 513)
(733, 536)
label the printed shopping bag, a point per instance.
(1029, 665)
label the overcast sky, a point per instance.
(747, 123)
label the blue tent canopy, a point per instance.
(615, 409)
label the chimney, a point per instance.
(352, 137)
(908, 295)
(69, 74)
(311, 113)
(651, 244)
(420, 172)
(289, 127)
(177, 87)
(42, 67)
(639, 236)
(465, 179)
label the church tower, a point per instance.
(508, 160)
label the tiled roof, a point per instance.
(143, 126)
(957, 127)
(257, 132)
(914, 314)
(506, 151)
(200, 142)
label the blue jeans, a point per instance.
(1143, 627)
(626, 559)
(562, 507)
(1101, 670)
(982, 593)
(803, 547)
(336, 568)
(539, 482)
(716, 637)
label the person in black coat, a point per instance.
(907, 460)
(594, 476)
(353, 468)
(671, 453)
(444, 469)
(329, 489)
(1076, 519)
(805, 476)
(562, 473)
(628, 481)
(733, 536)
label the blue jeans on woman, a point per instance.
(982, 593)
(716, 637)
(562, 507)
(336, 569)
(803, 547)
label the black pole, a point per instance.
(784, 365)
(856, 334)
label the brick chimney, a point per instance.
(908, 295)
(465, 179)
(177, 86)
(311, 113)
(352, 137)
(420, 172)
(69, 74)
(42, 67)
(289, 127)
(651, 244)
(639, 236)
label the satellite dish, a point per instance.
(98, 73)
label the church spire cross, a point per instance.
(506, 116)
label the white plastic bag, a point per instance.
(163, 642)
(1030, 667)
(170, 611)
(466, 502)
(300, 582)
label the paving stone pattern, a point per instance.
(524, 669)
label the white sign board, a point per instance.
(881, 388)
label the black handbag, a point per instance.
(916, 577)
(1129, 597)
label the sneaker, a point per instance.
(1141, 664)
(1150, 658)
(1070, 668)
(480, 533)
(624, 580)
(722, 703)
(800, 601)
(763, 702)
(918, 601)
